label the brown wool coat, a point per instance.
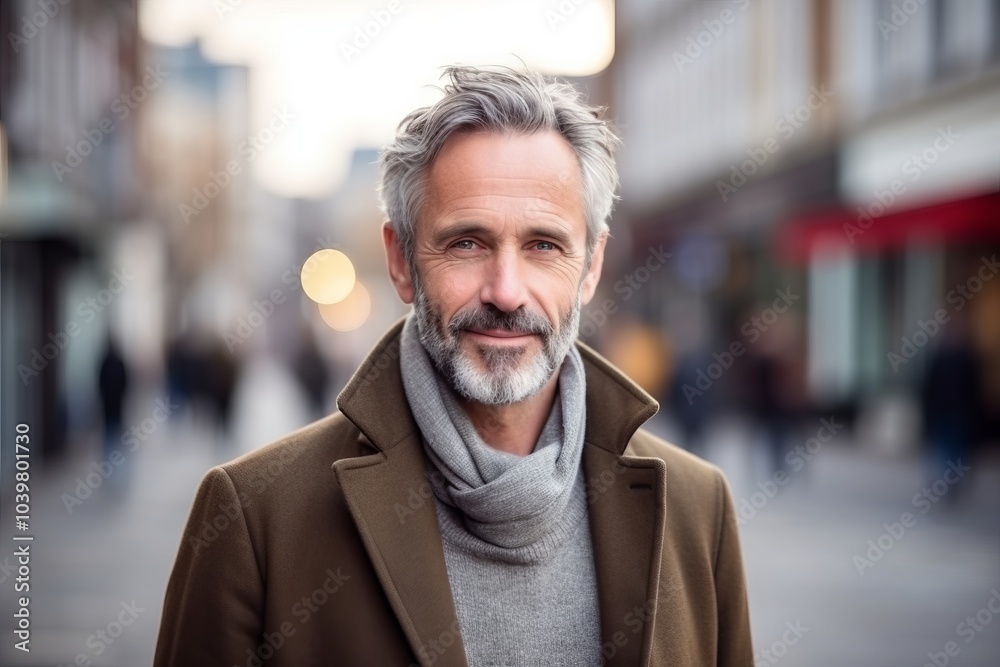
(323, 548)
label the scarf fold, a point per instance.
(517, 508)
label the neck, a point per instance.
(513, 428)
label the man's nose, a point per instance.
(504, 285)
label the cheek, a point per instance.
(555, 289)
(450, 292)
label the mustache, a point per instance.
(519, 321)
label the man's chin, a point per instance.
(491, 359)
(498, 366)
(495, 388)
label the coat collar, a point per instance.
(616, 406)
(391, 502)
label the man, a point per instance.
(483, 497)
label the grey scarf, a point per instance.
(520, 507)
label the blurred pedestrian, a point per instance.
(951, 401)
(692, 409)
(113, 384)
(312, 372)
(218, 384)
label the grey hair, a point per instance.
(507, 102)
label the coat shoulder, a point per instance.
(272, 489)
(282, 467)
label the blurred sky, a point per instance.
(351, 70)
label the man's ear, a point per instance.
(593, 275)
(399, 268)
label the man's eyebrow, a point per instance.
(457, 229)
(557, 234)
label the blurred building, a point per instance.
(805, 183)
(70, 90)
(841, 158)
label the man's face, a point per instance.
(499, 258)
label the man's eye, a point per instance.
(464, 244)
(545, 245)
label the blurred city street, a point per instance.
(802, 268)
(117, 549)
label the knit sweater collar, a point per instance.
(514, 508)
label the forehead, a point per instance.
(539, 169)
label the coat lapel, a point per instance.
(626, 520)
(393, 507)
(627, 509)
(392, 504)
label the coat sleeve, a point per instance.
(212, 611)
(735, 646)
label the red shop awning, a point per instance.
(952, 221)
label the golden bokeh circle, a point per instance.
(349, 313)
(328, 276)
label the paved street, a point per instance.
(800, 551)
(104, 567)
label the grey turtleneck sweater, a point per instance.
(516, 537)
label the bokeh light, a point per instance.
(328, 276)
(349, 313)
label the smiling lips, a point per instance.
(501, 335)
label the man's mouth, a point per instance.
(501, 336)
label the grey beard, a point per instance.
(503, 383)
